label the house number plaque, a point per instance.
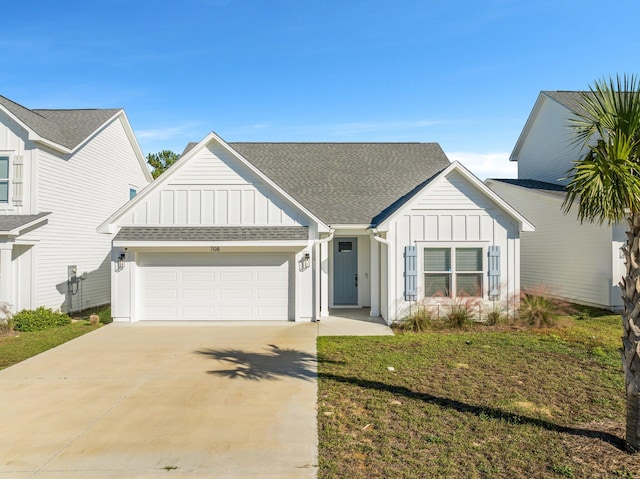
(215, 249)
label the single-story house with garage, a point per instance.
(286, 231)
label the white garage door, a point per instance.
(214, 286)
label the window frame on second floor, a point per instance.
(5, 200)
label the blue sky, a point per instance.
(464, 74)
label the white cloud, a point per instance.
(486, 165)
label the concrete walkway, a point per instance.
(352, 322)
(224, 400)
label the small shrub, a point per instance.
(462, 310)
(495, 315)
(418, 320)
(42, 318)
(539, 309)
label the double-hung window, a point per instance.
(453, 271)
(4, 179)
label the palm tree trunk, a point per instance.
(630, 351)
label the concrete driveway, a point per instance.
(150, 400)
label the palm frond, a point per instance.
(606, 181)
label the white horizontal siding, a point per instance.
(574, 260)
(81, 191)
(548, 152)
(213, 189)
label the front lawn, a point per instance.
(475, 403)
(19, 346)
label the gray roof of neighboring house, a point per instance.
(67, 128)
(551, 188)
(347, 183)
(213, 233)
(570, 99)
(13, 222)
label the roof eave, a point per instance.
(192, 244)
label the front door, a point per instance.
(345, 271)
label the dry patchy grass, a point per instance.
(477, 403)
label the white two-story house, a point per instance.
(578, 262)
(62, 173)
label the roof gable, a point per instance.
(66, 129)
(346, 183)
(482, 196)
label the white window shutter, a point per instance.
(17, 179)
(494, 273)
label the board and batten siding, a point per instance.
(548, 152)
(578, 262)
(81, 191)
(454, 213)
(212, 189)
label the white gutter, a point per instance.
(390, 271)
(318, 288)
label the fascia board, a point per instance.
(133, 141)
(16, 231)
(189, 244)
(355, 226)
(525, 225)
(33, 136)
(527, 126)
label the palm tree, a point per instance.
(605, 184)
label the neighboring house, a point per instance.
(62, 172)
(577, 262)
(277, 231)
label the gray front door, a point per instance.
(345, 271)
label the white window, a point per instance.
(132, 192)
(453, 271)
(4, 179)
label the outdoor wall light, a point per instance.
(120, 262)
(306, 260)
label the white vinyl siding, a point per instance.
(579, 262)
(214, 287)
(547, 152)
(81, 191)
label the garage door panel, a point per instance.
(162, 294)
(198, 313)
(197, 294)
(197, 276)
(210, 287)
(235, 276)
(164, 276)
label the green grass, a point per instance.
(21, 346)
(475, 404)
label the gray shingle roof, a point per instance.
(214, 233)
(570, 99)
(551, 188)
(64, 127)
(13, 222)
(346, 183)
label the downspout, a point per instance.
(390, 270)
(316, 253)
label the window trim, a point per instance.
(10, 155)
(452, 246)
